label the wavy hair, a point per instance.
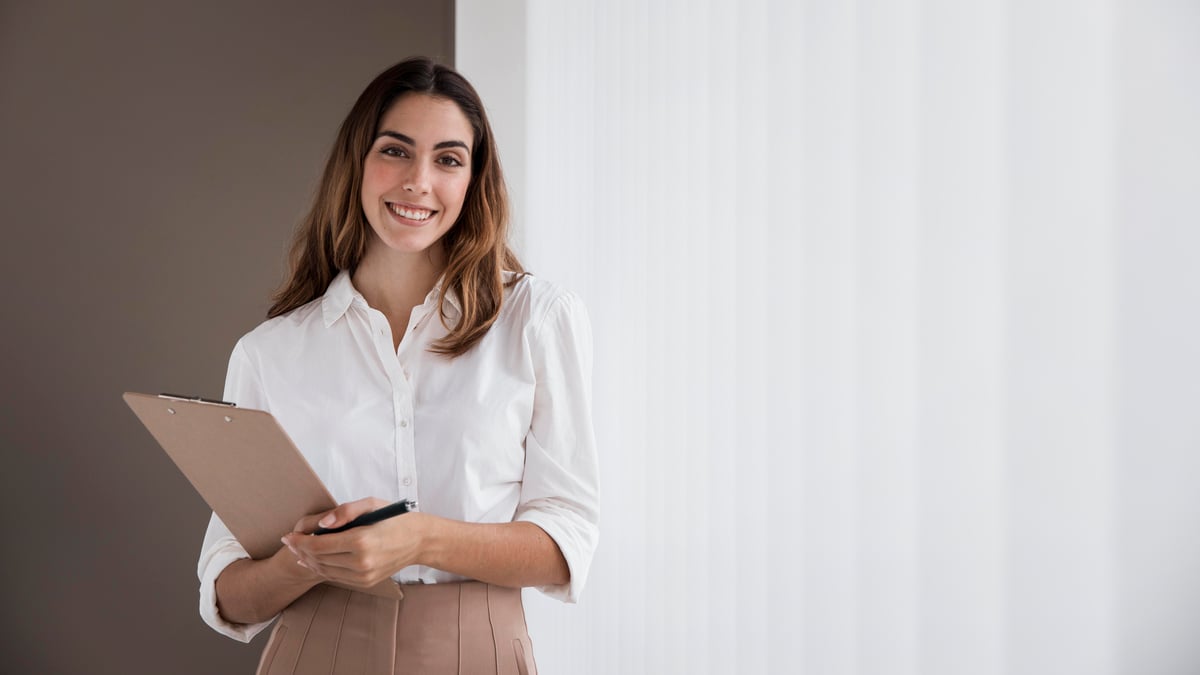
(335, 233)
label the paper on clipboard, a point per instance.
(244, 465)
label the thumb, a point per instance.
(341, 515)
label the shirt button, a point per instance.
(407, 481)
(403, 424)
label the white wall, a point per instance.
(895, 307)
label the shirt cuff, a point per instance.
(576, 541)
(211, 568)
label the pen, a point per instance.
(389, 511)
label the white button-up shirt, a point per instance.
(501, 433)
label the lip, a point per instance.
(408, 221)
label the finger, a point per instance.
(315, 569)
(358, 561)
(317, 564)
(346, 575)
(338, 563)
(311, 567)
(309, 523)
(347, 512)
(340, 515)
(350, 541)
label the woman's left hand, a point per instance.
(362, 556)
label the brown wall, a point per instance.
(155, 158)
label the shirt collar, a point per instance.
(342, 293)
(431, 299)
(338, 297)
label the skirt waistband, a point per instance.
(466, 627)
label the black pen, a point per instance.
(389, 511)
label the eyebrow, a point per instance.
(405, 139)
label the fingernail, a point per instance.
(327, 520)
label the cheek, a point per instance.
(458, 192)
(373, 177)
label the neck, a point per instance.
(394, 282)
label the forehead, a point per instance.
(427, 120)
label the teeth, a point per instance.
(411, 214)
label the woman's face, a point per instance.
(416, 174)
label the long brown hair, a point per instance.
(335, 234)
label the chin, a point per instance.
(410, 246)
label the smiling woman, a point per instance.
(410, 357)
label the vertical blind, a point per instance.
(896, 321)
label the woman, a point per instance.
(410, 357)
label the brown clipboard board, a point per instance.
(244, 465)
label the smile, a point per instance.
(410, 212)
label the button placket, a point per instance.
(405, 455)
(406, 463)
(402, 401)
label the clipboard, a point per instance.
(244, 465)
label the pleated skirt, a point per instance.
(468, 628)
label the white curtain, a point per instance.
(897, 319)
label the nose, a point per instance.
(416, 180)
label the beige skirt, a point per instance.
(467, 628)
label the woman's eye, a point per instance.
(393, 151)
(450, 160)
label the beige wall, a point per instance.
(154, 161)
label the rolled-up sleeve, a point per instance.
(220, 548)
(560, 488)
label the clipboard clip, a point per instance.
(197, 399)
